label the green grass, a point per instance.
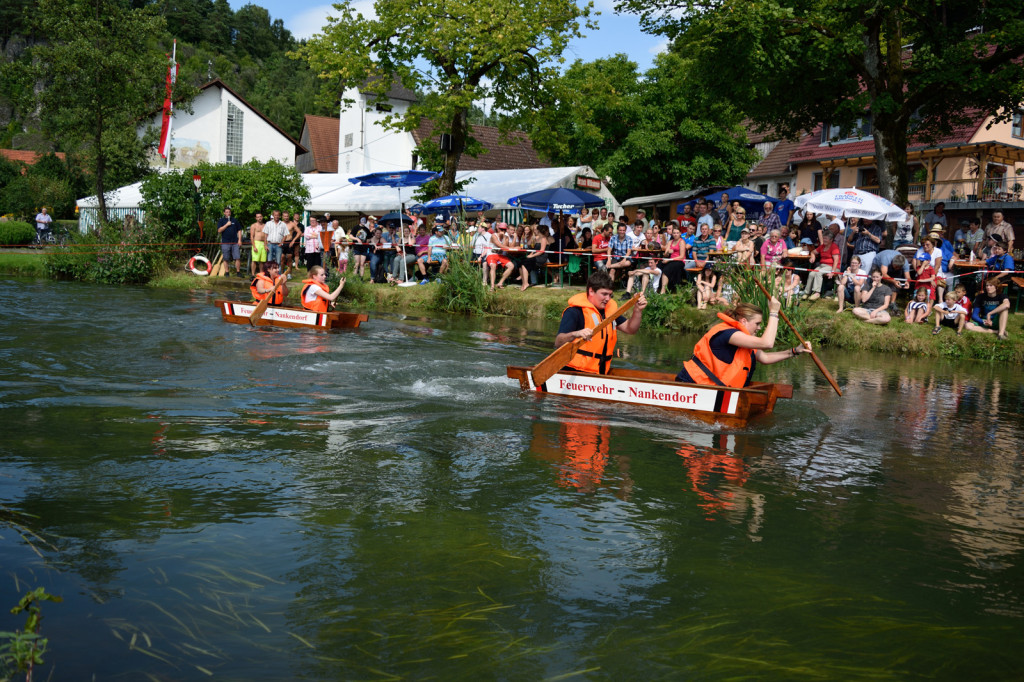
(818, 322)
(23, 264)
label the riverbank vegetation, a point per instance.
(817, 321)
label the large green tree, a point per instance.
(913, 68)
(647, 134)
(457, 51)
(102, 76)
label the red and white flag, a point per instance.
(165, 128)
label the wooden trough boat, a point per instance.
(281, 316)
(724, 405)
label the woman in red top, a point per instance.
(827, 256)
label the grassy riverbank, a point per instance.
(820, 324)
(667, 314)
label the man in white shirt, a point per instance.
(950, 314)
(276, 230)
(637, 237)
(43, 220)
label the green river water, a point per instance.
(215, 500)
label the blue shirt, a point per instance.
(884, 258)
(783, 209)
(620, 248)
(1004, 262)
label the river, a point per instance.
(215, 500)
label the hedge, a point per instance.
(16, 233)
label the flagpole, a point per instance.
(170, 121)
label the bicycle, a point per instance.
(47, 237)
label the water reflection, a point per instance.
(577, 445)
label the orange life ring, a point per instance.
(198, 259)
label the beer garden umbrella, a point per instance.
(852, 202)
(557, 199)
(398, 180)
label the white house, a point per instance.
(223, 128)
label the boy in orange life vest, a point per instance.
(314, 295)
(728, 354)
(584, 312)
(263, 283)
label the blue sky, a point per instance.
(616, 33)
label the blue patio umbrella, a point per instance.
(557, 199)
(397, 179)
(456, 202)
(394, 217)
(748, 198)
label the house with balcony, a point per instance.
(978, 167)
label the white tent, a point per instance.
(495, 186)
(334, 193)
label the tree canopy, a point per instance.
(914, 68)
(648, 134)
(459, 52)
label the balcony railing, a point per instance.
(1010, 188)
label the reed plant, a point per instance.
(744, 283)
(461, 288)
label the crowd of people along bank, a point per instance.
(860, 263)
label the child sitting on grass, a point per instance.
(918, 308)
(951, 314)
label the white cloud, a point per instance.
(311, 21)
(660, 47)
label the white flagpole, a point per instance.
(170, 120)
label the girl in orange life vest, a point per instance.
(263, 283)
(314, 295)
(728, 354)
(584, 312)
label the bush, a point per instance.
(461, 289)
(16, 233)
(73, 261)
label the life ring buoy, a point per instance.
(192, 265)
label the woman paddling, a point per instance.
(728, 354)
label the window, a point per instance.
(233, 153)
(1018, 124)
(763, 189)
(867, 177)
(835, 134)
(348, 140)
(384, 107)
(819, 179)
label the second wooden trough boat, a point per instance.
(281, 316)
(725, 405)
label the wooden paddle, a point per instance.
(550, 365)
(257, 314)
(802, 342)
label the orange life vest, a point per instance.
(705, 368)
(260, 277)
(317, 305)
(595, 356)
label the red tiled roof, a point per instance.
(25, 156)
(320, 136)
(496, 155)
(754, 136)
(811, 149)
(777, 161)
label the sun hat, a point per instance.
(923, 258)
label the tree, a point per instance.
(459, 52)
(651, 134)
(913, 68)
(102, 78)
(170, 198)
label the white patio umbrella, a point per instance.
(852, 202)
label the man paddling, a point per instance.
(728, 354)
(587, 310)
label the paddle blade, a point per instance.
(550, 365)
